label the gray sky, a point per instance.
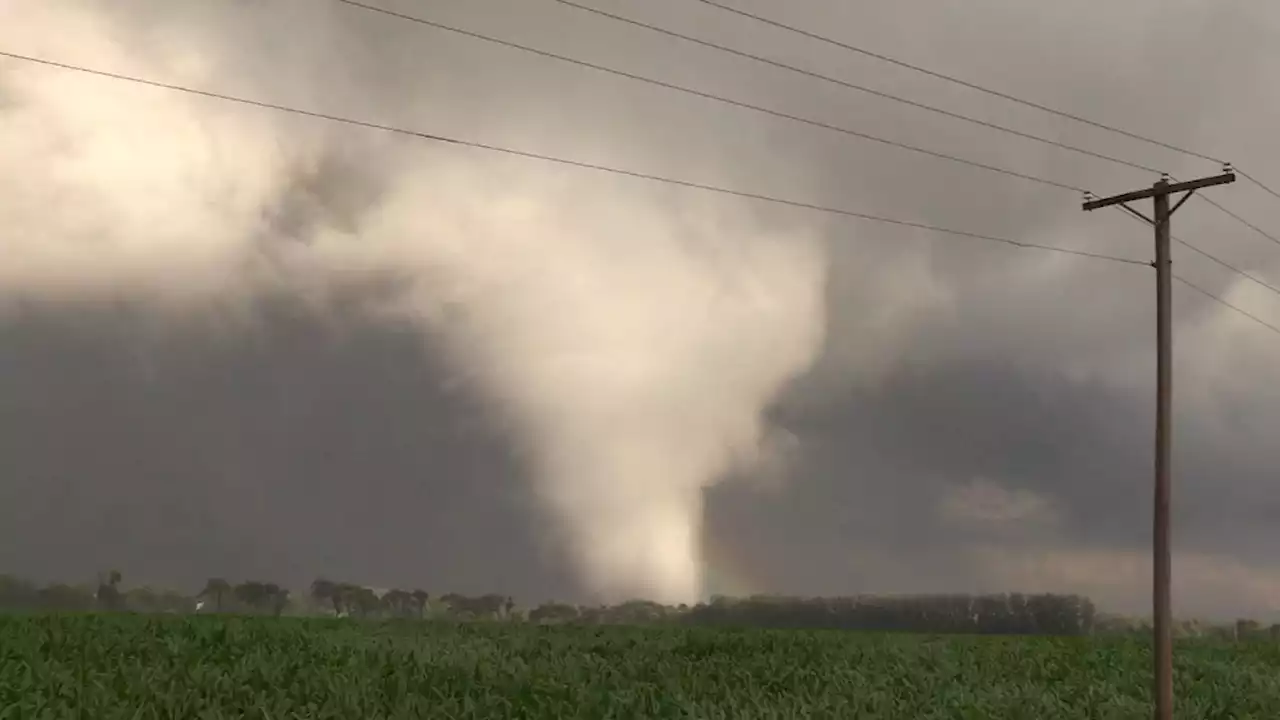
(224, 354)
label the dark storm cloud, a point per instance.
(869, 505)
(296, 450)
(177, 454)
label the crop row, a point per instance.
(124, 666)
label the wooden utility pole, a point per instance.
(1160, 547)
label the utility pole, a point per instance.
(1160, 547)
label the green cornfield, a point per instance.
(104, 667)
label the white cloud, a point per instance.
(985, 502)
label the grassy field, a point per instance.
(106, 667)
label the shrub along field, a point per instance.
(139, 667)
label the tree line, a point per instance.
(999, 614)
(219, 595)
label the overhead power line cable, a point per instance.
(912, 103)
(1227, 265)
(1257, 182)
(601, 168)
(982, 89)
(859, 88)
(940, 111)
(1227, 304)
(955, 80)
(755, 108)
(1242, 221)
(569, 162)
(1210, 256)
(1194, 248)
(1215, 297)
(713, 97)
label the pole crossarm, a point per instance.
(1189, 186)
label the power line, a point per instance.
(1246, 223)
(957, 81)
(1225, 303)
(606, 169)
(574, 163)
(982, 89)
(859, 88)
(783, 115)
(1257, 280)
(930, 108)
(1216, 299)
(228, 98)
(1235, 216)
(940, 111)
(1228, 265)
(912, 103)
(713, 97)
(787, 115)
(1257, 182)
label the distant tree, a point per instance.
(65, 598)
(484, 607)
(593, 615)
(274, 598)
(108, 596)
(142, 600)
(17, 594)
(992, 614)
(397, 603)
(491, 606)
(326, 592)
(252, 595)
(404, 604)
(351, 599)
(150, 600)
(1001, 614)
(171, 602)
(1246, 629)
(263, 597)
(360, 601)
(453, 603)
(216, 589)
(553, 612)
(637, 612)
(420, 598)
